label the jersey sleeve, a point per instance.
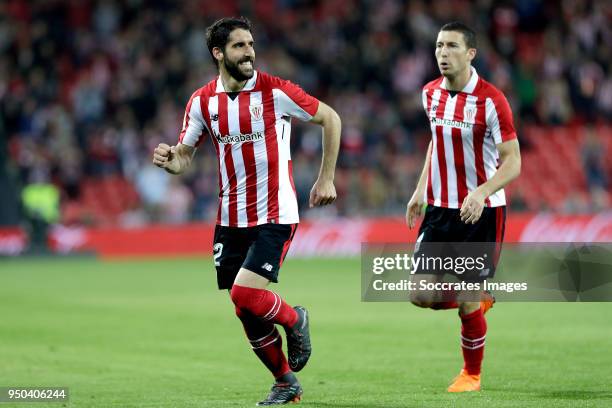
(294, 102)
(499, 119)
(192, 132)
(424, 97)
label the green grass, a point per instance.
(147, 333)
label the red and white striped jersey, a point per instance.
(250, 131)
(465, 129)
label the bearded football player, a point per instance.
(247, 115)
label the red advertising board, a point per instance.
(328, 238)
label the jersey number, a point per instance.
(217, 249)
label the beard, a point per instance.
(238, 73)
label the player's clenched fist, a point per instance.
(322, 193)
(163, 155)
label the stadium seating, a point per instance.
(102, 201)
(552, 167)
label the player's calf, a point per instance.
(266, 343)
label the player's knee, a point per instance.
(420, 300)
(246, 298)
(239, 297)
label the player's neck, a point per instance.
(230, 84)
(459, 81)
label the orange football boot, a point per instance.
(465, 382)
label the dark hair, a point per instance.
(217, 35)
(469, 36)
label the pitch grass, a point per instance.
(158, 334)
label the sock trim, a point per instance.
(267, 344)
(472, 347)
(262, 338)
(277, 305)
(473, 340)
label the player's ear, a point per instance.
(217, 53)
(471, 53)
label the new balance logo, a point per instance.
(267, 267)
(485, 272)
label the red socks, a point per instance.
(266, 342)
(473, 332)
(259, 310)
(264, 304)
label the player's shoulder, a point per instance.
(488, 90)
(435, 84)
(265, 80)
(207, 90)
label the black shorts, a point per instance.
(443, 234)
(260, 249)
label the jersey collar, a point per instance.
(250, 85)
(470, 86)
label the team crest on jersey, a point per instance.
(469, 114)
(256, 111)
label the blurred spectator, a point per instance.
(41, 201)
(88, 87)
(177, 203)
(153, 186)
(593, 154)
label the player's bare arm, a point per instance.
(415, 205)
(509, 169)
(324, 192)
(173, 159)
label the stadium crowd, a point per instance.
(88, 88)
